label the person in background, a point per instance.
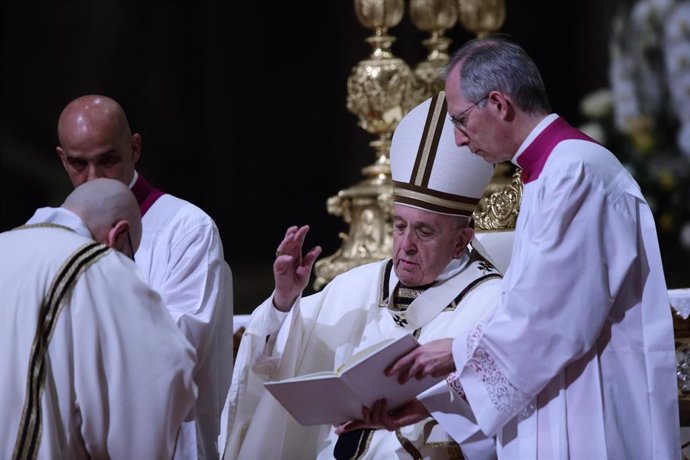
(433, 287)
(92, 365)
(180, 256)
(577, 362)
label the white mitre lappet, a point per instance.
(429, 170)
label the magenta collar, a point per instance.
(145, 194)
(533, 159)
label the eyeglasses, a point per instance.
(460, 121)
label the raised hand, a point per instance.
(291, 270)
(434, 358)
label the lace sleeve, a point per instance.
(507, 398)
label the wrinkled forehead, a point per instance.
(414, 214)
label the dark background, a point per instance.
(240, 104)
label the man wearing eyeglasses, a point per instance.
(181, 254)
(578, 359)
(91, 364)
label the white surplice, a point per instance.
(578, 360)
(324, 330)
(181, 256)
(118, 373)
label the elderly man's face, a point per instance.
(424, 244)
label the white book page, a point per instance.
(325, 399)
(368, 381)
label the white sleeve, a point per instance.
(133, 368)
(261, 348)
(453, 414)
(558, 294)
(197, 291)
(255, 361)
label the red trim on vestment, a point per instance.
(533, 159)
(145, 194)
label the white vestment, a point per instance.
(324, 330)
(181, 256)
(117, 374)
(577, 362)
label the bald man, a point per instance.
(93, 366)
(181, 254)
(109, 211)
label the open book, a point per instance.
(338, 396)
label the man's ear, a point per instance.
(61, 154)
(503, 104)
(136, 147)
(464, 239)
(116, 237)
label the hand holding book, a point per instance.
(379, 416)
(338, 396)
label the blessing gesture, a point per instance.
(291, 270)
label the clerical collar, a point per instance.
(537, 147)
(403, 296)
(144, 193)
(541, 126)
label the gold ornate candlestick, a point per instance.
(482, 17)
(379, 88)
(379, 92)
(434, 17)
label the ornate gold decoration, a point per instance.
(482, 17)
(379, 92)
(379, 15)
(499, 207)
(434, 17)
(367, 208)
(379, 88)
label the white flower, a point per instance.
(642, 13)
(597, 104)
(661, 6)
(677, 25)
(677, 56)
(626, 109)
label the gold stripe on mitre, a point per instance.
(433, 200)
(428, 145)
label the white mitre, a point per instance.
(429, 170)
